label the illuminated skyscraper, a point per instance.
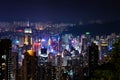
(103, 50)
(28, 34)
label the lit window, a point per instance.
(4, 57)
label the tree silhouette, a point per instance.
(115, 59)
(111, 69)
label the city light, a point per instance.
(31, 52)
(37, 48)
(28, 30)
(59, 40)
(87, 33)
(43, 40)
(17, 42)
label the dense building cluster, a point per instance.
(43, 53)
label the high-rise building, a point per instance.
(84, 43)
(30, 66)
(104, 49)
(28, 34)
(5, 59)
(15, 64)
(93, 56)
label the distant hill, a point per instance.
(95, 28)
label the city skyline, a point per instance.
(60, 10)
(59, 40)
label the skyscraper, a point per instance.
(30, 66)
(15, 64)
(5, 59)
(93, 56)
(84, 43)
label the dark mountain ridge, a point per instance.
(95, 28)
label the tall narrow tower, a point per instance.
(28, 34)
(5, 59)
(93, 57)
(28, 23)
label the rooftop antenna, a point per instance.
(28, 23)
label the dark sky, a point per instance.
(59, 10)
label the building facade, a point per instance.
(5, 59)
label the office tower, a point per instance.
(28, 39)
(28, 35)
(88, 36)
(15, 64)
(93, 56)
(59, 60)
(103, 50)
(84, 43)
(30, 66)
(5, 59)
(103, 47)
(36, 46)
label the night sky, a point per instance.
(59, 10)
